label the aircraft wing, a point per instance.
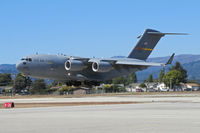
(79, 58)
(128, 62)
(133, 63)
(124, 61)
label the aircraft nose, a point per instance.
(22, 67)
(19, 66)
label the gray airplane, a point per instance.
(91, 71)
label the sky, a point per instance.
(95, 28)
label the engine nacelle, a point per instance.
(74, 65)
(101, 66)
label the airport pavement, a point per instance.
(193, 97)
(129, 118)
(171, 116)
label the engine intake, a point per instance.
(101, 66)
(74, 65)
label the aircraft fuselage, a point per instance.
(53, 67)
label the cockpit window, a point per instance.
(27, 59)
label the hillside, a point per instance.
(190, 62)
(8, 68)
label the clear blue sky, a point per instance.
(100, 28)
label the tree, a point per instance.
(179, 68)
(150, 79)
(38, 87)
(28, 81)
(19, 82)
(132, 78)
(161, 75)
(172, 78)
(55, 83)
(142, 85)
(118, 88)
(65, 89)
(108, 88)
(5, 79)
(119, 80)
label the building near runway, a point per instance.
(150, 87)
(190, 86)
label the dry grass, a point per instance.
(33, 105)
(94, 95)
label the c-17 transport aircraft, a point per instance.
(91, 71)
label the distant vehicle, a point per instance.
(151, 90)
(139, 90)
(162, 87)
(1, 90)
(91, 71)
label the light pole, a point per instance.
(13, 90)
(170, 83)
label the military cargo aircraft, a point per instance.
(91, 71)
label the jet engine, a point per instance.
(74, 65)
(101, 66)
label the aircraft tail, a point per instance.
(147, 42)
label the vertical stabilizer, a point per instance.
(146, 44)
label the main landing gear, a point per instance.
(79, 83)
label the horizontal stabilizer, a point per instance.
(160, 33)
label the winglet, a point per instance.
(170, 59)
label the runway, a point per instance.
(155, 117)
(145, 113)
(155, 114)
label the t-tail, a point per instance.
(147, 42)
